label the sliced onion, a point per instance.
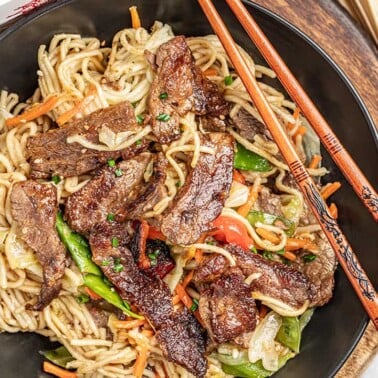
(238, 195)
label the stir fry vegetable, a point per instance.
(92, 275)
(59, 356)
(249, 161)
(259, 216)
(289, 333)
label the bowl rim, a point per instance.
(55, 4)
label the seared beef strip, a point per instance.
(149, 195)
(105, 193)
(268, 202)
(179, 335)
(179, 87)
(275, 280)
(50, 153)
(202, 197)
(320, 272)
(227, 308)
(34, 208)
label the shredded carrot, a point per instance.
(50, 368)
(237, 176)
(128, 324)
(333, 210)
(175, 300)
(268, 235)
(91, 293)
(144, 261)
(187, 279)
(316, 159)
(210, 72)
(289, 255)
(34, 112)
(135, 19)
(290, 125)
(263, 311)
(184, 296)
(198, 255)
(252, 197)
(148, 332)
(294, 244)
(329, 189)
(140, 363)
(301, 131)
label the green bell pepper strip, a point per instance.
(305, 318)
(101, 288)
(258, 216)
(78, 247)
(250, 161)
(59, 356)
(256, 369)
(289, 333)
(92, 275)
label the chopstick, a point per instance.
(339, 154)
(347, 259)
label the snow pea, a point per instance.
(289, 333)
(250, 161)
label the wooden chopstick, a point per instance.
(338, 241)
(339, 154)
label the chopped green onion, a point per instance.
(139, 119)
(178, 184)
(110, 217)
(228, 80)
(111, 163)
(118, 268)
(56, 179)
(194, 306)
(134, 104)
(253, 249)
(118, 172)
(105, 262)
(82, 298)
(308, 258)
(138, 142)
(163, 95)
(210, 243)
(163, 117)
(115, 242)
(268, 255)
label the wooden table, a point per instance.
(353, 50)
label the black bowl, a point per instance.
(336, 328)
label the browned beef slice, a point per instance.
(320, 272)
(276, 280)
(227, 308)
(182, 341)
(150, 194)
(248, 126)
(151, 296)
(268, 202)
(105, 193)
(50, 154)
(34, 208)
(202, 197)
(185, 88)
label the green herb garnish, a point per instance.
(194, 306)
(118, 172)
(56, 179)
(111, 163)
(138, 142)
(309, 258)
(82, 298)
(163, 117)
(105, 262)
(139, 119)
(163, 95)
(115, 242)
(110, 217)
(228, 80)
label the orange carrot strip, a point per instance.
(198, 255)
(289, 255)
(184, 296)
(148, 332)
(187, 279)
(316, 159)
(333, 210)
(301, 131)
(135, 19)
(33, 112)
(140, 363)
(175, 300)
(296, 113)
(329, 189)
(144, 261)
(237, 176)
(129, 324)
(210, 72)
(294, 244)
(91, 293)
(50, 368)
(252, 197)
(268, 235)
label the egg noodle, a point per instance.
(87, 75)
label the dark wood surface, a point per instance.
(329, 25)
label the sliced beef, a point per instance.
(320, 272)
(179, 87)
(227, 308)
(268, 202)
(275, 280)
(248, 126)
(148, 195)
(182, 342)
(50, 153)
(105, 193)
(180, 337)
(34, 208)
(202, 197)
